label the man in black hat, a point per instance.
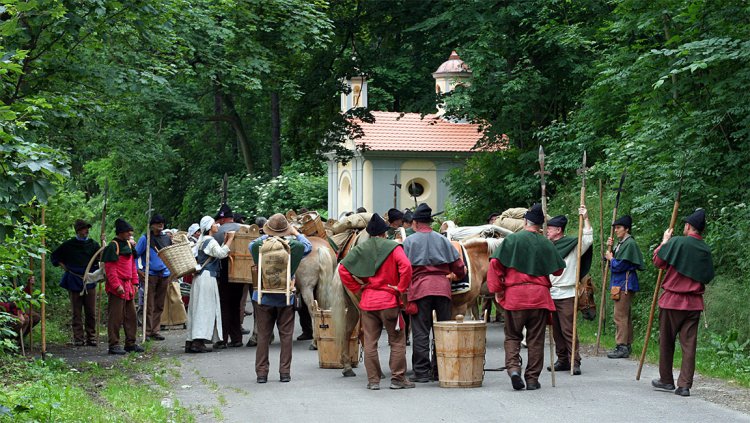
(230, 294)
(492, 217)
(383, 268)
(408, 222)
(689, 265)
(563, 289)
(435, 263)
(73, 256)
(158, 275)
(122, 288)
(395, 221)
(519, 276)
(624, 263)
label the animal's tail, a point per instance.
(338, 306)
(326, 267)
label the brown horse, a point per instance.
(478, 252)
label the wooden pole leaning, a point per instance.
(578, 267)
(541, 173)
(652, 311)
(43, 269)
(99, 289)
(145, 275)
(605, 273)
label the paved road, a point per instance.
(606, 392)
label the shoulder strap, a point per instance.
(117, 247)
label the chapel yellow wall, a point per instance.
(344, 188)
(424, 170)
(367, 185)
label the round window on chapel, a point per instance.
(415, 189)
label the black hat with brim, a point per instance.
(423, 213)
(408, 216)
(157, 218)
(625, 221)
(122, 226)
(697, 220)
(376, 225)
(81, 224)
(224, 212)
(395, 214)
(558, 221)
(535, 215)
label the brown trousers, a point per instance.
(87, 302)
(672, 323)
(624, 319)
(157, 293)
(121, 313)
(283, 318)
(534, 322)
(562, 331)
(373, 323)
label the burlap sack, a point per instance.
(513, 219)
(355, 221)
(274, 256)
(340, 239)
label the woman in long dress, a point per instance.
(204, 311)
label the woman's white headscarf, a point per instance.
(206, 223)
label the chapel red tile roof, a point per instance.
(395, 131)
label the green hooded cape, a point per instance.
(529, 253)
(629, 251)
(365, 259)
(110, 253)
(566, 244)
(690, 257)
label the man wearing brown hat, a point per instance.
(158, 275)
(73, 256)
(687, 260)
(273, 309)
(519, 276)
(380, 269)
(435, 263)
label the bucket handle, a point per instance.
(434, 316)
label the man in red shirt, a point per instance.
(687, 260)
(379, 268)
(435, 263)
(519, 276)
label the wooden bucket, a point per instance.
(329, 354)
(312, 225)
(460, 347)
(178, 257)
(241, 262)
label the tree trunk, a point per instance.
(275, 135)
(239, 131)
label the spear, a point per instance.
(148, 260)
(102, 238)
(582, 171)
(601, 238)
(606, 268)
(672, 222)
(541, 174)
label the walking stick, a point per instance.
(148, 262)
(541, 173)
(672, 222)
(606, 267)
(44, 297)
(578, 264)
(30, 289)
(99, 290)
(602, 307)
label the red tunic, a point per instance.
(121, 273)
(519, 291)
(376, 294)
(680, 291)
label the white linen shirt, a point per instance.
(564, 286)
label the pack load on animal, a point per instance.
(355, 221)
(274, 268)
(513, 219)
(242, 267)
(312, 225)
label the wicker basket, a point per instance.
(179, 257)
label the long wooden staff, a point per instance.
(651, 313)
(541, 174)
(606, 267)
(148, 262)
(30, 290)
(602, 307)
(578, 264)
(44, 297)
(99, 294)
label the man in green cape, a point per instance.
(519, 275)
(380, 269)
(624, 263)
(687, 260)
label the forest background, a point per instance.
(165, 97)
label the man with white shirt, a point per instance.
(563, 289)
